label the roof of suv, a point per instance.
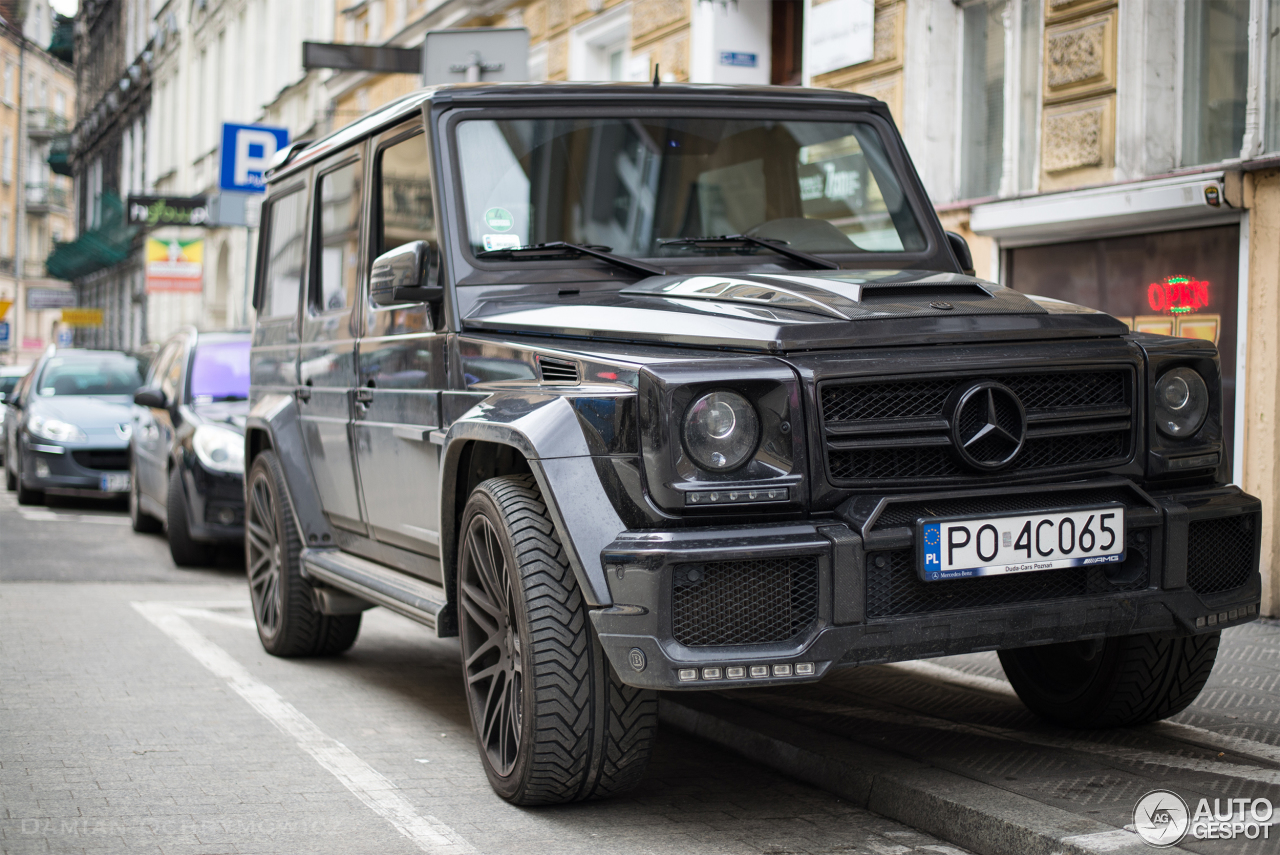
(510, 94)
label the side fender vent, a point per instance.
(560, 372)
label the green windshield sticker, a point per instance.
(499, 219)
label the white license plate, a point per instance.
(994, 546)
(116, 482)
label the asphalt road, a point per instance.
(138, 714)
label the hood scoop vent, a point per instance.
(558, 372)
(913, 291)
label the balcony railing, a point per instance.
(45, 196)
(41, 121)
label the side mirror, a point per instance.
(150, 396)
(960, 247)
(400, 276)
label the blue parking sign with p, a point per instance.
(246, 153)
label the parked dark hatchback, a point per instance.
(67, 426)
(679, 387)
(188, 444)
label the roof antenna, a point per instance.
(656, 79)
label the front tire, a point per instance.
(27, 496)
(1118, 682)
(186, 551)
(553, 722)
(284, 609)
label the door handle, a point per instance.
(302, 393)
(364, 395)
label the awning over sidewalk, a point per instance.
(108, 244)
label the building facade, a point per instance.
(37, 106)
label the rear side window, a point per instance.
(339, 239)
(286, 232)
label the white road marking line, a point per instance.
(216, 617)
(1169, 729)
(367, 784)
(53, 516)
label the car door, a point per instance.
(401, 365)
(148, 456)
(327, 352)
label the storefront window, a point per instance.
(982, 125)
(1215, 79)
(1181, 283)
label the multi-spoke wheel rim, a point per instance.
(262, 548)
(491, 646)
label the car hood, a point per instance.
(796, 311)
(228, 414)
(100, 418)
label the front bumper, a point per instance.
(845, 592)
(73, 470)
(215, 503)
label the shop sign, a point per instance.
(82, 317)
(168, 210)
(175, 266)
(50, 298)
(1178, 295)
(842, 34)
(32, 343)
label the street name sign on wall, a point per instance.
(246, 153)
(50, 298)
(840, 33)
(168, 210)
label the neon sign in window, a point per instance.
(1178, 295)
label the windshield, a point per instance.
(220, 371)
(113, 376)
(7, 382)
(628, 184)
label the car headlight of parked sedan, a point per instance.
(219, 449)
(54, 429)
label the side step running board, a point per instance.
(416, 599)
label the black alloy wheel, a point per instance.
(262, 555)
(284, 603)
(491, 645)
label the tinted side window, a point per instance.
(406, 213)
(338, 241)
(286, 232)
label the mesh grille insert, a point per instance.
(743, 602)
(110, 460)
(1220, 553)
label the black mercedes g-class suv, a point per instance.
(685, 388)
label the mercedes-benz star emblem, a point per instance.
(988, 426)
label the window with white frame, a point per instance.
(6, 250)
(1215, 79)
(982, 98)
(6, 160)
(8, 83)
(600, 47)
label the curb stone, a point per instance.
(979, 817)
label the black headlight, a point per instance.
(1181, 402)
(720, 431)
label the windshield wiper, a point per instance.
(549, 250)
(778, 246)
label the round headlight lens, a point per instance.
(721, 430)
(1181, 402)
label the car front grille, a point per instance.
(762, 601)
(900, 429)
(108, 460)
(1220, 553)
(894, 589)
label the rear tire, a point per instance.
(1118, 682)
(141, 521)
(284, 609)
(186, 551)
(553, 722)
